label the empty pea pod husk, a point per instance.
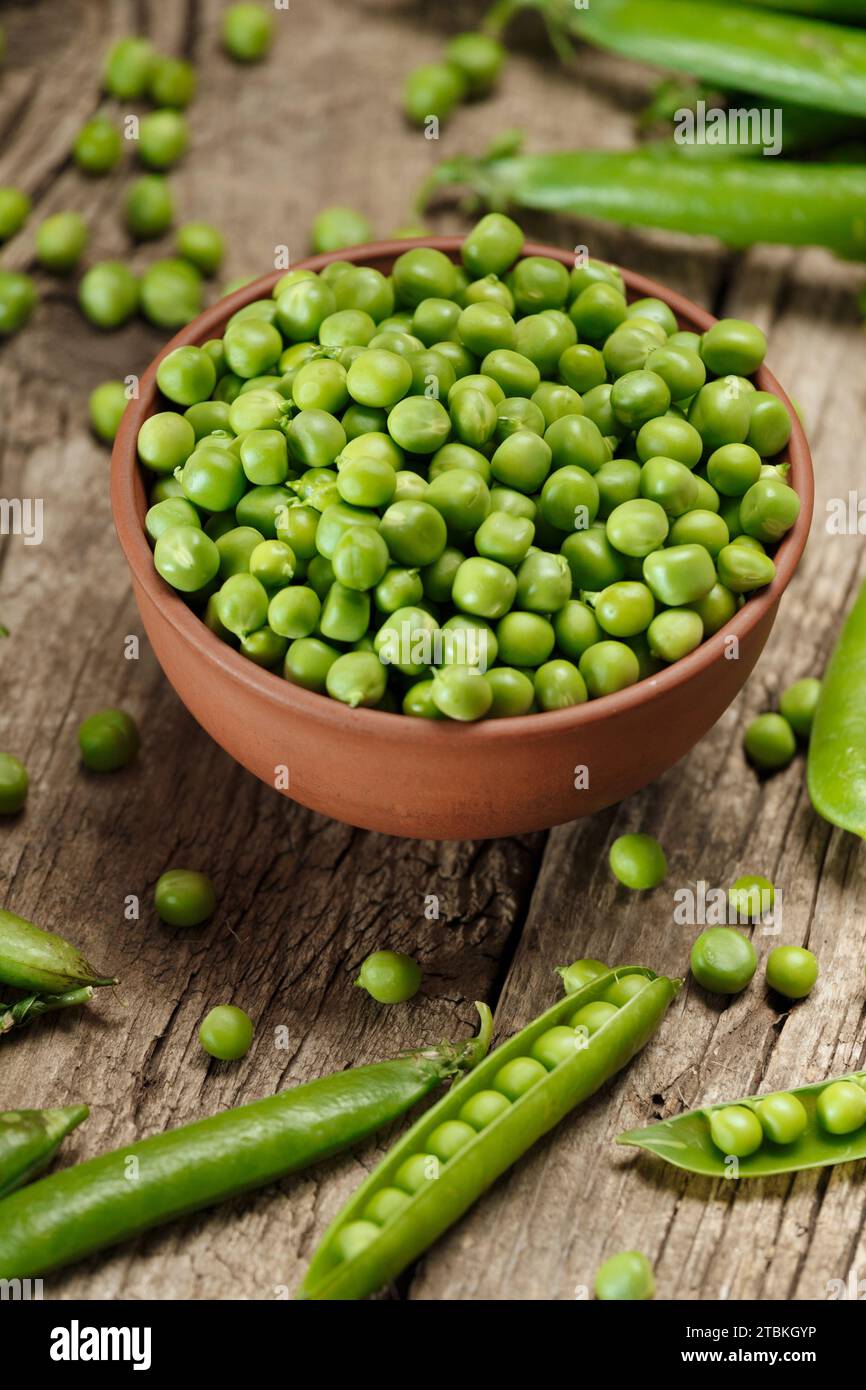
(29, 1139)
(437, 1205)
(40, 961)
(685, 1140)
(107, 1199)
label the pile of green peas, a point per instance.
(514, 1078)
(739, 1131)
(465, 491)
(724, 961)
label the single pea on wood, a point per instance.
(810, 1126)
(477, 1131)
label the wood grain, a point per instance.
(302, 899)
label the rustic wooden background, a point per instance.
(304, 899)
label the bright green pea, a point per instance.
(576, 628)
(607, 667)
(515, 374)
(700, 527)
(559, 685)
(624, 990)
(524, 639)
(107, 403)
(184, 897)
(148, 207)
(186, 376)
(543, 583)
(186, 558)
(680, 574)
(308, 661)
(669, 483)
(390, 977)
(680, 368)
(669, 436)
(769, 509)
(437, 580)
(841, 1107)
(336, 227)
(172, 82)
(798, 704)
(274, 564)
(483, 1108)
(226, 1033)
(783, 1117)
(162, 138)
(242, 604)
(580, 973)
(446, 1140)
(14, 784)
(108, 294)
(582, 367)
(504, 537)
(639, 396)
(625, 1278)
(492, 246)
(418, 701)
(60, 241)
(415, 533)
(769, 742)
(723, 960)
(513, 692)
(173, 511)
(15, 208)
(518, 1076)
(432, 90)
(419, 424)
(736, 1131)
(128, 67)
(235, 546)
(247, 32)
(97, 147)
(637, 528)
(461, 692)
(356, 678)
(591, 1017)
(638, 861)
(625, 608)
(387, 1203)
(294, 612)
(461, 497)
(751, 896)
(733, 347)
(555, 1046)
(769, 424)
(398, 588)
(720, 412)
(792, 971)
(360, 559)
(673, 634)
(108, 740)
(592, 560)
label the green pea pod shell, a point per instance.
(685, 1142)
(739, 201)
(783, 56)
(35, 1005)
(474, 1168)
(29, 1139)
(107, 1199)
(836, 764)
(41, 962)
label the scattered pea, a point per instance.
(390, 977)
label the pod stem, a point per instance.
(453, 1058)
(16, 1015)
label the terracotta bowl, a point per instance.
(423, 779)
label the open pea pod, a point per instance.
(686, 1142)
(400, 1210)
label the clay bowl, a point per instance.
(423, 779)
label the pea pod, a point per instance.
(25, 1010)
(104, 1200)
(29, 1139)
(836, 767)
(774, 55)
(685, 1140)
(41, 962)
(740, 201)
(358, 1255)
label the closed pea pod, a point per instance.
(532, 1096)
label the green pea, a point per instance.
(187, 375)
(97, 146)
(390, 977)
(14, 784)
(751, 896)
(680, 574)
(504, 537)
(247, 32)
(627, 349)
(607, 667)
(591, 1017)
(148, 207)
(673, 634)
(173, 511)
(624, 990)
(356, 678)
(437, 580)
(108, 294)
(626, 1278)
(617, 481)
(669, 436)
(419, 424)
(769, 509)
(720, 412)
(559, 685)
(423, 273)
(172, 82)
(387, 1203)
(733, 469)
(128, 67)
(680, 368)
(700, 527)
(308, 661)
(798, 704)
(433, 90)
(576, 628)
(723, 960)
(555, 1046)
(336, 227)
(398, 588)
(625, 608)
(742, 569)
(483, 1108)
(769, 742)
(473, 417)
(783, 1117)
(365, 288)
(226, 1033)
(294, 611)
(479, 57)
(638, 861)
(791, 971)
(543, 583)
(513, 692)
(418, 701)
(518, 1076)
(841, 1107)
(414, 532)
(360, 559)
(582, 367)
(108, 740)
(669, 483)
(107, 403)
(525, 639)
(242, 604)
(15, 208)
(736, 1131)
(162, 138)
(462, 693)
(60, 241)
(733, 347)
(580, 973)
(446, 1140)
(274, 564)
(769, 424)
(186, 558)
(492, 246)
(639, 396)
(515, 374)
(184, 897)
(592, 560)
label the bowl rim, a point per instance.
(129, 504)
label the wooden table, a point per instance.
(304, 899)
